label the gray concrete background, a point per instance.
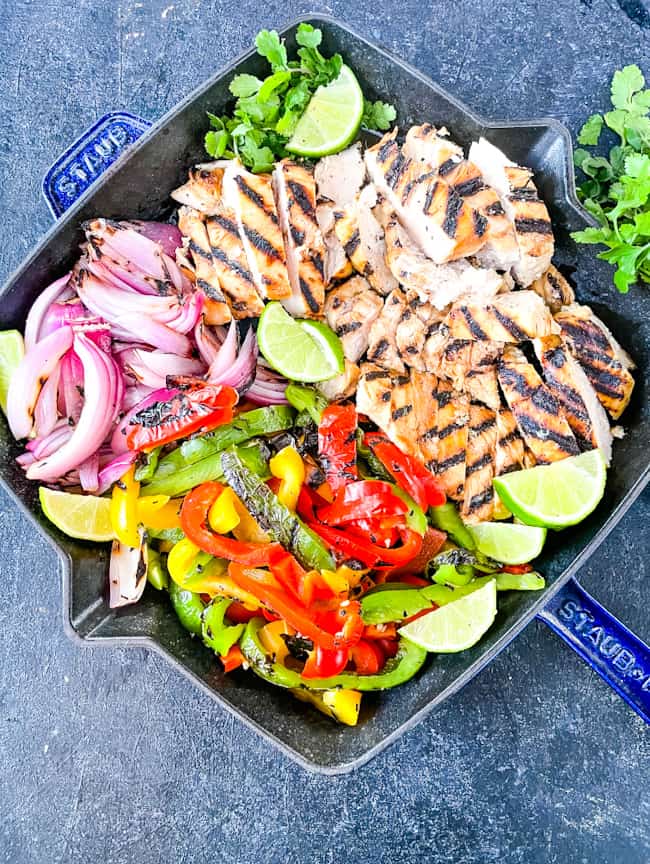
(110, 756)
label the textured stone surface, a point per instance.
(110, 756)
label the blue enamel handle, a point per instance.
(620, 657)
(88, 157)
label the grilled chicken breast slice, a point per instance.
(478, 501)
(250, 196)
(402, 427)
(343, 386)
(522, 205)
(374, 394)
(382, 346)
(509, 445)
(362, 238)
(337, 264)
(295, 197)
(350, 310)
(425, 404)
(578, 399)
(554, 289)
(470, 366)
(452, 420)
(432, 148)
(339, 178)
(438, 219)
(512, 317)
(537, 411)
(605, 363)
(439, 284)
(231, 265)
(410, 336)
(191, 225)
(203, 189)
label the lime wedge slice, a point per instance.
(331, 119)
(456, 626)
(85, 517)
(12, 351)
(508, 543)
(556, 495)
(299, 350)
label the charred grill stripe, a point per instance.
(508, 439)
(302, 198)
(375, 374)
(317, 261)
(377, 351)
(385, 150)
(485, 426)
(543, 399)
(402, 380)
(604, 382)
(428, 198)
(385, 396)
(309, 297)
(256, 198)
(568, 396)
(495, 209)
(508, 324)
(227, 224)
(348, 327)
(398, 413)
(470, 187)
(297, 235)
(210, 291)
(447, 166)
(533, 429)
(481, 462)
(509, 377)
(443, 397)
(200, 251)
(472, 324)
(480, 500)
(430, 434)
(261, 243)
(242, 272)
(452, 461)
(450, 429)
(525, 193)
(352, 244)
(533, 226)
(396, 170)
(554, 357)
(454, 206)
(480, 223)
(584, 334)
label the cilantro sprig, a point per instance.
(616, 188)
(267, 111)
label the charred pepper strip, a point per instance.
(337, 445)
(410, 474)
(187, 606)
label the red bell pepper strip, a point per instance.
(409, 473)
(233, 659)
(188, 410)
(390, 647)
(518, 568)
(368, 658)
(194, 522)
(409, 579)
(239, 614)
(337, 446)
(322, 663)
(347, 546)
(382, 531)
(363, 499)
(382, 631)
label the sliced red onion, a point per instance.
(71, 387)
(42, 447)
(113, 470)
(226, 355)
(97, 330)
(46, 413)
(267, 394)
(26, 382)
(59, 314)
(134, 395)
(208, 340)
(168, 236)
(241, 373)
(151, 368)
(118, 441)
(25, 459)
(89, 474)
(127, 573)
(103, 391)
(58, 290)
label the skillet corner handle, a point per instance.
(86, 159)
(613, 651)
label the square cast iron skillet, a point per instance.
(137, 185)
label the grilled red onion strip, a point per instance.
(113, 470)
(127, 573)
(58, 290)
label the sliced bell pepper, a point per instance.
(157, 576)
(322, 663)
(363, 499)
(349, 547)
(215, 632)
(238, 613)
(432, 543)
(124, 509)
(271, 638)
(409, 473)
(186, 411)
(288, 466)
(341, 705)
(233, 659)
(159, 512)
(392, 602)
(222, 515)
(188, 607)
(368, 658)
(194, 518)
(337, 446)
(181, 558)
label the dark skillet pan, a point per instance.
(137, 185)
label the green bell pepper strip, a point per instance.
(306, 399)
(463, 558)
(272, 516)
(182, 479)
(446, 518)
(157, 575)
(448, 574)
(392, 601)
(172, 535)
(398, 669)
(520, 581)
(188, 607)
(375, 466)
(215, 632)
(146, 469)
(415, 518)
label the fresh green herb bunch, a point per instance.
(617, 189)
(266, 112)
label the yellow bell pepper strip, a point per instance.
(341, 705)
(124, 509)
(214, 581)
(247, 530)
(159, 512)
(180, 560)
(223, 515)
(288, 466)
(271, 638)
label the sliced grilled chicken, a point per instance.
(439, 284)
(523, 207)
(337, 264)
(410, 335)
(470, 366)
(402, 427)
(578, 399)
(362, 238)
(510, 446)
(425, 404)
(382, 347)
(374, 394)
(432, 148)
(339, 178)
(341, 387)
(295, 196)
(537, 411)
(250, 196)
(605, 363)
(203, 189)
(554, 289)
(512, 317)
(440, 221)
(192, 226)
(452, 421)
(350, 309)
(231, 265)
(478, 502)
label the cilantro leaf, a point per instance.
(378, 115)
(308, 36)
(272, 48)
(244, 85)
(590, 132)
(625, 83)
(216, 143)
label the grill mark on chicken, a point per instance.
(233, 265)
(302, 198)
(480, 223)
(454, 206)
(450, 462)
(447, 166)
(535, 429)
(210, 290)
(227, 224)
(261, 243)
(398, 413)
(450, 429)
(470, 187)
(375, 374)
(526, 193)
(310, 300)
(257, 199)
(386, 149)
(533, 226)
(396, 170)
(479, 500)
(297, 235)
(474, 327)
(428, 198)
(198, 250)
(352, 244)
(495, 209)
(350, 327)
(512, 328)
(380, 348)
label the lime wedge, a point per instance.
(12, 351)
(86, 517)
(299, 350)
(331, 119)
(556, 495)
(456, 626)
(508, 543)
